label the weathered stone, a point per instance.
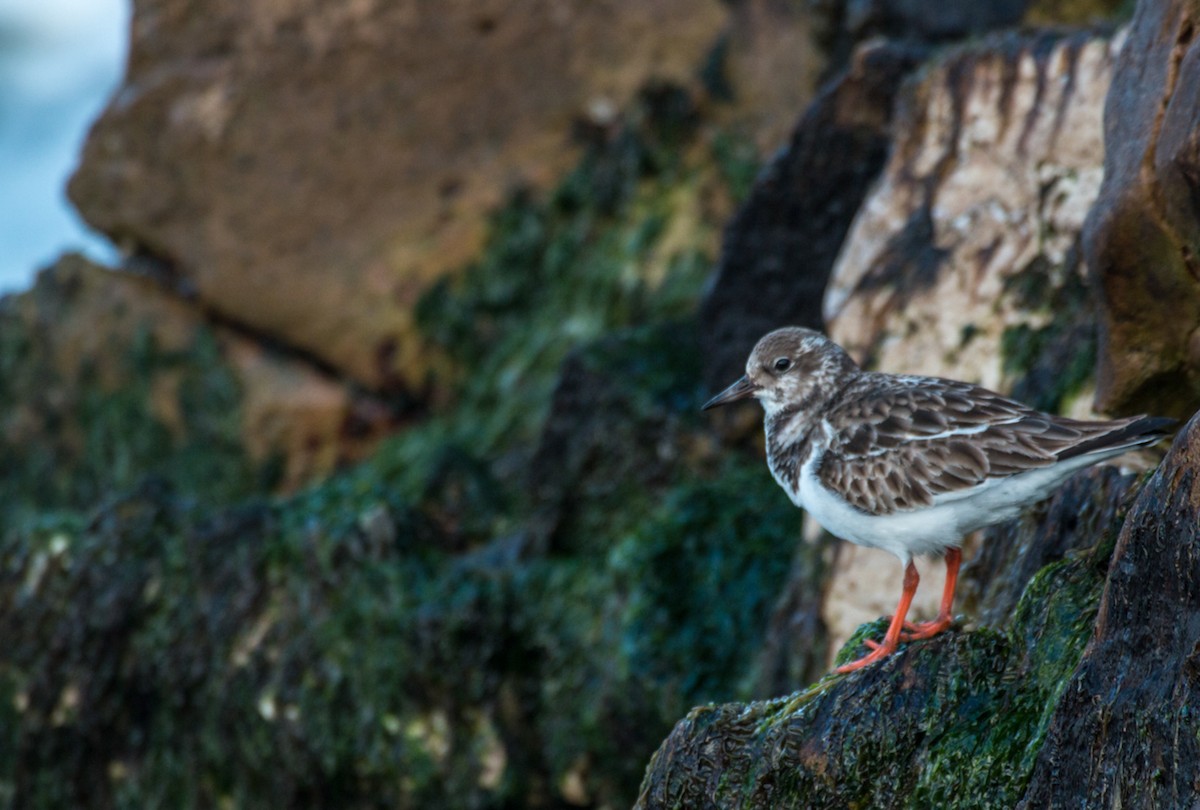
(972, 232)
(1126, 732)
(771, 66)
(1075, 12)
(948, 723)
(848, 23)
(86, 338)
(308, 167)
(797, 642)
(780, 246)
(606, 398)
(1142, 239)
(914, 19)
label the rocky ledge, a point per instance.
(1081, 698)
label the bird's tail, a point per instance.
(1121, 435)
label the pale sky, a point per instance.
(59, 62)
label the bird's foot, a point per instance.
(878, 652)
(920, 630)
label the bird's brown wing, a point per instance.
(900, 441)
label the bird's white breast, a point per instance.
(931, 529)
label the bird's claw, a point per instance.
(878, 652)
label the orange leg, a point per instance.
(944, 618)
(892, 638)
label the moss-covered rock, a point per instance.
(1078, 696)
(101, 387)
(954, 722)
(503, 607)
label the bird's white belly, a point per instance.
(932, 529)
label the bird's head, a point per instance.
(790, 367)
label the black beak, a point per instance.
(741, 389)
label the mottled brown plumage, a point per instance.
(902, 441)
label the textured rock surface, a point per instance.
(848, 23)
(90, 355)
(1126, 732)
(503, 606)
(973, 229)
(307, 168)
(1143, 235)
(779, 248)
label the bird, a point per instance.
(911, 464)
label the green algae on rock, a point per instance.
(89, 409)
(952, 722)
(476, 616)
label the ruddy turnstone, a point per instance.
(910, 464)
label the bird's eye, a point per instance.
(782, 364)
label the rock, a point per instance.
(779, 248)
(963, 261)
(952, 723)
(107, 377)
(309, 650)
(771, 69)
(848, 23)
(796, 646)
(1074, 12)
(912, 19)
(308, 169)
(1141, 238)
(1126, 732)
(607, 397)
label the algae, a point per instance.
(426, 628)
(68, 446)
(1052, 362)
(953, 722)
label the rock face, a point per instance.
(1143, 233)
(779, 248)
(1126, 732)
(971, 235)
(308, 168)
(498, 608)
(105, 376)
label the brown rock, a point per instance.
(1126, 732)
(1142, 234)
(1073, 12)
(307, 167)
(973, 228)
(85, 327)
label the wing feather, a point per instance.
(899, 442)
